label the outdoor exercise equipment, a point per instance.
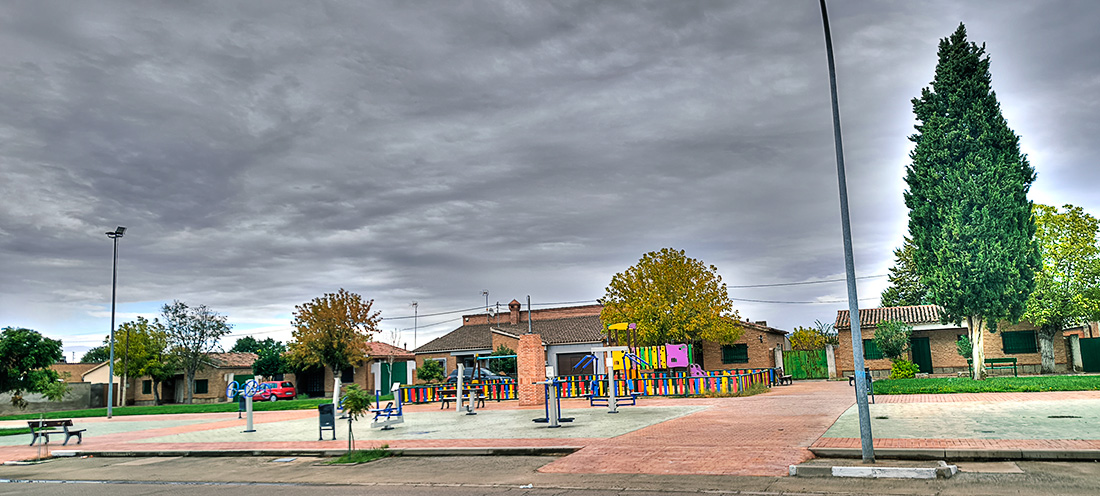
(553, 404)
(391, 415)
(247, 391)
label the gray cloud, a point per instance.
(262, 154)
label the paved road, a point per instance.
(495, 475)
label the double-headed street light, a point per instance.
(114, 235)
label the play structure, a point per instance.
(553, 404)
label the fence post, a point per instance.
(830, 356)
(778, 357)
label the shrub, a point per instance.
(964, 347)
(430, 371)
(892, 337)
(903, 369)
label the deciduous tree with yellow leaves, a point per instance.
(333, 331)
(673, 299)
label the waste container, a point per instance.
(326, 414)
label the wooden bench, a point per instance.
(448, 395)
(44, 428)
(781, 378)
(995, 364)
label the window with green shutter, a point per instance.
(1016, 342)
(735, 353)
(201, 386)
(870, 350)
(146, 387)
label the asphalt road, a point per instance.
(262, 476)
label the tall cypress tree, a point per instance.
(969, 216)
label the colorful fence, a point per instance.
(496, 389)
(642, 383)
(667, 383)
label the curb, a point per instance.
(961, 454)
(943, 471)
(488, 451)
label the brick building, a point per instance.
(570, 333)
(385, 365)
(933, 344)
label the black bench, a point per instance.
(995, 364)
(43, 429)
(781, 378)
(448, 395)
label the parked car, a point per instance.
(468, 375)
(275, 390)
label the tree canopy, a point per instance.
(98, 354)
(969, 215)
(673, 299)
(333, 331)
(270, 355)
(905, 287)
(1067, 287)
(193, 333)
(25, 359)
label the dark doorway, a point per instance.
(1090, 354)
(567, 364)
(921, 351)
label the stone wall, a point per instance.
(79, 397)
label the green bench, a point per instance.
(995, 364)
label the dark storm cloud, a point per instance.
(262, 154)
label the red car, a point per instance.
(275, 390)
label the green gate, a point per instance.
(1090, 354)
(921, 352)
(806, 364)
(391, 373)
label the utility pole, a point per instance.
(415, 306)
(114, 235)
(866, 441)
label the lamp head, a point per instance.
(117, 233)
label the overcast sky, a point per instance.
(264, 153)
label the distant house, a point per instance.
(570, 333)
(386, 365)
(933, 344)
(210, 381)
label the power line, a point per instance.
(801, 283)
(433, 314)
(799, 302)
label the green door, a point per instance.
(1090, 354)
(922, 354)
(398, 374)
(806, 364)
(385, 376)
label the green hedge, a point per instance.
(950, 385)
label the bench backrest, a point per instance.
(1001, 360)
(42, 424)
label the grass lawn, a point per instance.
(257, 406)
(936, 385)
(15, 431)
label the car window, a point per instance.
(287, 384)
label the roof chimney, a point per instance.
(513, 310)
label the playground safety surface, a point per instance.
(759, 435)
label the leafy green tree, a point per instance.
(333, 331)
(892, 337)
(672, 299)
(430, 371)
(25, 359)
(813, 338)
(247, 344)
(356, 404)
(503, 365)
(142, 349)
(905, 286)
(969, 216)
(99, 354)
(1067, 288)
(964, 347)
(193, 333)
(271, 359)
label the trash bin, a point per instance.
(326, 414)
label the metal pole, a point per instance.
(111, 356)
(866, 440)
(415, 306)
(529, 331)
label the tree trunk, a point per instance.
(975, 325)
(190, 386)
(1046, 349)
(336, 388)
(156, 392)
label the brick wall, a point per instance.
(500, 339)
(530, 367)
(215, 387)
(760, 353)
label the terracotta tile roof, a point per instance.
(587, 329)
(387, 350)
(232, 360)
(869, 317)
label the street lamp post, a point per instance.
(866, 440)
(114, 235)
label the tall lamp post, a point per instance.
(866, 441)
(114, 235)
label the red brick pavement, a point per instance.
(758, 435)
